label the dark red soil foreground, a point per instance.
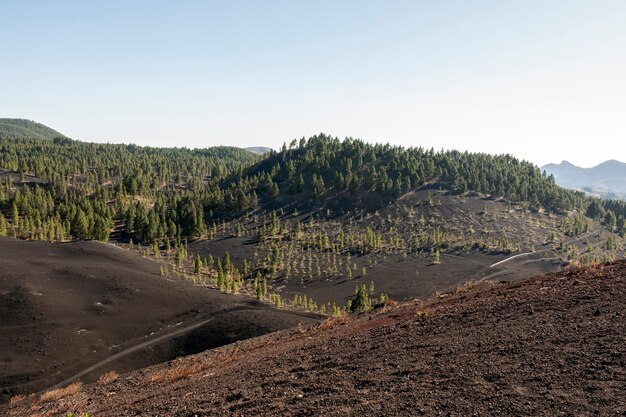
(552, 345)
(67, 307)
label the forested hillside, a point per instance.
(26, 129)
(324, 164)
(352, 171)
(66, 189)
(321, 212)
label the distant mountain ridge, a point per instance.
(26, 129)
(260, 150)
(607, 180)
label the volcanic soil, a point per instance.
(550, 345)
(83, 308)
(403, 275)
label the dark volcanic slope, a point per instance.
(552, 345)
(65, 307)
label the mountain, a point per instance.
(259, 150)
(26, 129)
(607, 180)
(550, 345)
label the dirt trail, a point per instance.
(168, 335)
(519, 255)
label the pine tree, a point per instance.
(197, 265)
(3, 225)
(15, 215)
(258, 289)
(360, 302)
(226, 263)
(180, 256)
(80, 225)
(610, 220)
(297, 229)
(221, 278)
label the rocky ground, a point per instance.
(551, 345)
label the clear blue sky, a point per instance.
(542, 80)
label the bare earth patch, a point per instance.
(551, 345)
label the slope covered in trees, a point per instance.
(323, 166)
(26, 129)
(86, 188)
(323, 225)
(153, 194)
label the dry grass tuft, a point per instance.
(421, 314)
(391, 303)
(301, 328)
(184, 370)
(470, 285)
(16, 399)
(334, 321)
(108, 378)
(57, 394)
(387, 306)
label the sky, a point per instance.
(542, 80)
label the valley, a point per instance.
(119, 257)
(66, 307)
(471, 233)
(321, 208)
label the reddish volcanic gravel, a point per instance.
(552, 345)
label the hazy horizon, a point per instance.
(278, 147)
(540, 81)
